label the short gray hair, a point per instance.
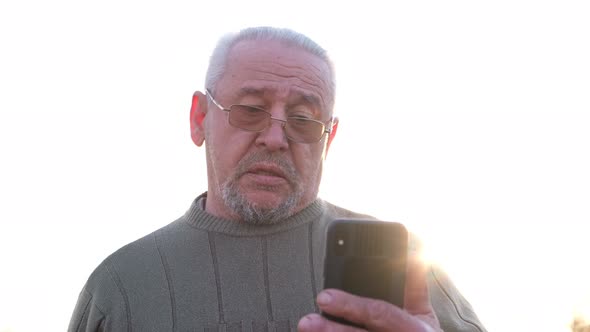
(218, 60)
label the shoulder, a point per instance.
(107, 283)
(142, 249)
(454, 312)
(107, 297)
(336, 212)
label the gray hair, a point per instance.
(218, 60)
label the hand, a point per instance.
(377, 315)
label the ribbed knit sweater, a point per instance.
(203, 273)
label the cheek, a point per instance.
(228, 148)
(227, 156)
(308, 162)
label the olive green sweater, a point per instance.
(203, 273)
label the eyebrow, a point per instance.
(311, 99)
(306, 98)
(249, 91)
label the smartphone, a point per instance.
(367, 258)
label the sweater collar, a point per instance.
(198, 218)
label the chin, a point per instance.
(266, 199)
(262, 204)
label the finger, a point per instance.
(315, 322)
(374, 315)
(417, 297)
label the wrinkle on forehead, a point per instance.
(280, 65)
(250, 89)
(312, 88)
(273, 66)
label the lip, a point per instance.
(267, 174)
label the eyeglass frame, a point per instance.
(327, 128)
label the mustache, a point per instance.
(283, 163)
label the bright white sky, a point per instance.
(468, 121)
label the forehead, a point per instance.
(276, 68)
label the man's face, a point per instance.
(262, 177)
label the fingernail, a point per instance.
(324, 298)
(304, 323)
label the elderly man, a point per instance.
(248, 254)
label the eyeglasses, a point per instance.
(297, 128)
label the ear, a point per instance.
(197, 117)
(332, 134)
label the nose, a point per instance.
(273, 138)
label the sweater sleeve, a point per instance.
(454, 312)
(87, 316)
(101, 305)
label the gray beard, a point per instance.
(251, 213)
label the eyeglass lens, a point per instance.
(256, 119)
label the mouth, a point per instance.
(267, 174)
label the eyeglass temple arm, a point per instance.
(328, 129)
(208, 93)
